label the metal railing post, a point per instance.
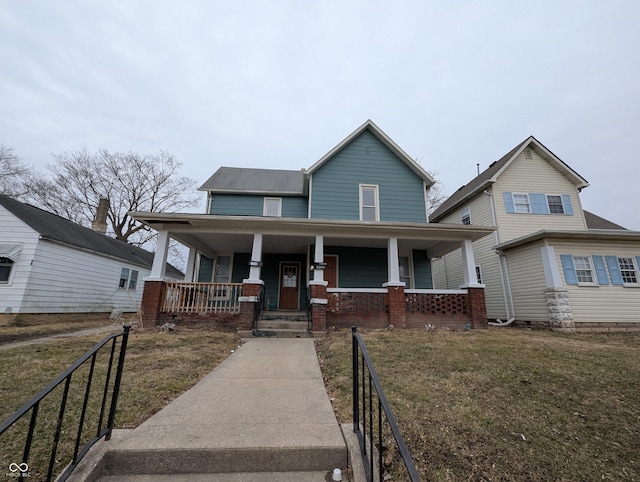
(116, 383)
(354, 364)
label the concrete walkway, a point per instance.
(262, 414)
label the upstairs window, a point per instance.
(555, 204)
(369, 210)
(628, 271)
(521, 203)
(6, 264)
(584, 272)
(272, 207)
(128, 279)
(465, 215)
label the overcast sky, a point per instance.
(277, 84)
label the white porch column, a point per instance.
(159, 267)
(550, 265)
(318, 257)
(393, 264)
(191, 265)
(255, 265)
(469, 266)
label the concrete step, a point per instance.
(280, 324)
(284, 315)
(237, 477)
(185, 462)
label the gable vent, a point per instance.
(528, 154)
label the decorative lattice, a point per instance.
(436, 304)
(357, 303)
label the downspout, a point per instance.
(506, 286)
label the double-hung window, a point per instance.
(465, 215)
(128, 279)
(584, 272)
(369, 203)
(521, 203)
(628, 271)
(555, 204)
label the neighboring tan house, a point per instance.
(51, 265)
(348, 239)
(548, 260)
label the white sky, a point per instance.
(277, 84)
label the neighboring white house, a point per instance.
(548, 260)
(51, 265)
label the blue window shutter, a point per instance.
(538, 203)
(508, 202)
(566, 204)
(614, 270)
(601, 270)
(569, 269)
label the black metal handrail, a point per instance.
(32, 406)
(368, 431)
(258, 307)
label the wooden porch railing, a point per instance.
(201, 298)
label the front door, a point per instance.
(289, 280)
(331, 271)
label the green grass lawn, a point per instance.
(504, 404)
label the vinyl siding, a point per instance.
(15, 231)
(534, 176)
(526, 275)
(69, 280)
(248, 205)
(602, 303)
(366, 160)
(485, 257)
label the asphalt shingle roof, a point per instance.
(56, 228)
(596, 222)
(268, 181)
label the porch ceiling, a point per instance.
(210, 233)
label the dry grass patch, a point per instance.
(158, 368)
(504, 404)
(26, 326)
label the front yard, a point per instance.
(504, 404)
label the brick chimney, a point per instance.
(100, 222)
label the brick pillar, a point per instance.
(397, 311)
(318, 307)
(151, 300)
(478, 309)
(248, 300)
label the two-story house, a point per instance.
(548, 261)
(347, 238)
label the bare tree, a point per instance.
(436, 195)
(12, 172)
(130, 181)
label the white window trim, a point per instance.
(635, 268)
(549, 205)
(12, 270)
(515, 204)
(409, 256)
(466, 211)
(377, 199)
(594, 276)
(128, 279)
(268, 200)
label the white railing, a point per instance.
(201, 298)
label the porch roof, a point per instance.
(212, 233)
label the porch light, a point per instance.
(255, 264)
(318, 266)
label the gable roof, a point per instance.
(489, 175)
(386, 140)
(255, 181)
(596, 222)
(57, 229)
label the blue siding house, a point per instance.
(347, 239)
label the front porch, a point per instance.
(343, 273)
